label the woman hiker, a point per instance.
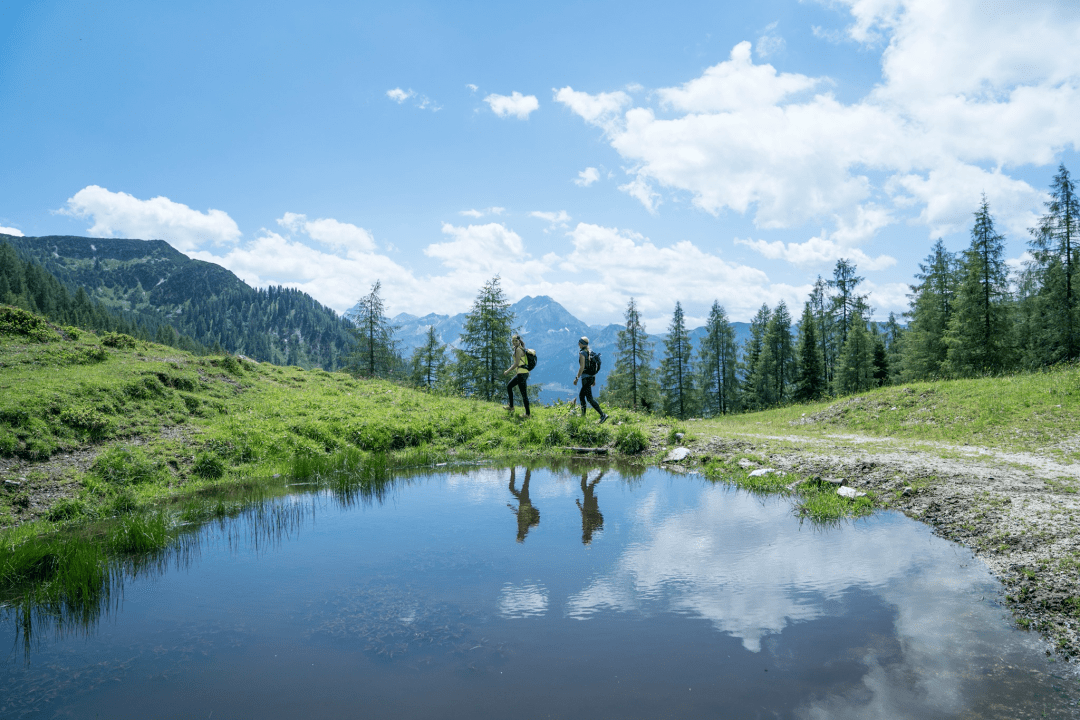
(521, 376)
(588, 381)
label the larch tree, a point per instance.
(629, 383)
(718, 364)
(485, 339)
(846, 302)
(1055, 249)
(376, 352)
(676, 368)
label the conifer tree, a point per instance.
(376, 352)
(755, 386)
(810, 383)
(676, 371)
(979, 336)
(486, 342)
(846, 303)
(826, 328)
(1055, 247)
(932, 302)
(779, 356)
(629, 382)
(855, 372)
(428, 361)
(718, 364)
(893, 337)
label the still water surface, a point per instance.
(571, 593)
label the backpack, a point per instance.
(530, 360)
(592, 363)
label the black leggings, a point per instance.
(587, 381)
(520, 380)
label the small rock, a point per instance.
(680, 436)
(277, 475)
(848, 492)
(840, 482)
(12, 482)
(677, 455)
(908, 490)
(765, 471)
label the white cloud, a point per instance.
(472, 88)
(555, 218)
(120, 214)
(966, 94)
(769, 43)
(516, 104)
(474, 213)
(399, 96)
(587, 177)
(10, 231)
(817, 251)
(338, 235)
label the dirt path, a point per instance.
(1019, 512)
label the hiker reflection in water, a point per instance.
(527, 515)
(591, 519)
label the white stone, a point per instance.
(677, 455)
(849, 492)
(765, 471)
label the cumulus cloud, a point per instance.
(10, 231)
(399, 96)
(119, 214)
(587, 177)
(516, 104)
(338, 235)
(817, 251)
(966, 94)
(555, 218)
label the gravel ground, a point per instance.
(1019, 512)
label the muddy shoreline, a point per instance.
(1019, 512)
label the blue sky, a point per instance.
(588, 151)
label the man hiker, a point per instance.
(520, 364)
(586, 367)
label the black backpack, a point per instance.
(530, 360)
(592, 363)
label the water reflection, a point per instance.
(527, 514)
(591, 518)
(412, 600)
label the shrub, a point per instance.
(18, 322)
(84, 418)
(631, 440)
(208, 465)
(145, 388)
(119, 341)
(124, 465)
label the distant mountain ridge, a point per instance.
(550, 329)
(150, 279)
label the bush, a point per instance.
(84, 418)
(19, 322)
(208, 465)
(631, 440)
(124, 465)
(587, 432)
(119, 341)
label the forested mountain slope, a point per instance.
(151, 282)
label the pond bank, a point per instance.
(1019, 512)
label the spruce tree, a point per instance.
(718, 364)
(826, 328)
(676, 371)
(755, 373)
(1055, 247)
(376, 352)
(893, 338)
(810, 383)
(932, 302)
(629, 382)
(979, 336)
(779, 351)
(485, 338)
(855, 372)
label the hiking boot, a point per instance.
(603, 418)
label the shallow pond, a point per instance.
(576, 592)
